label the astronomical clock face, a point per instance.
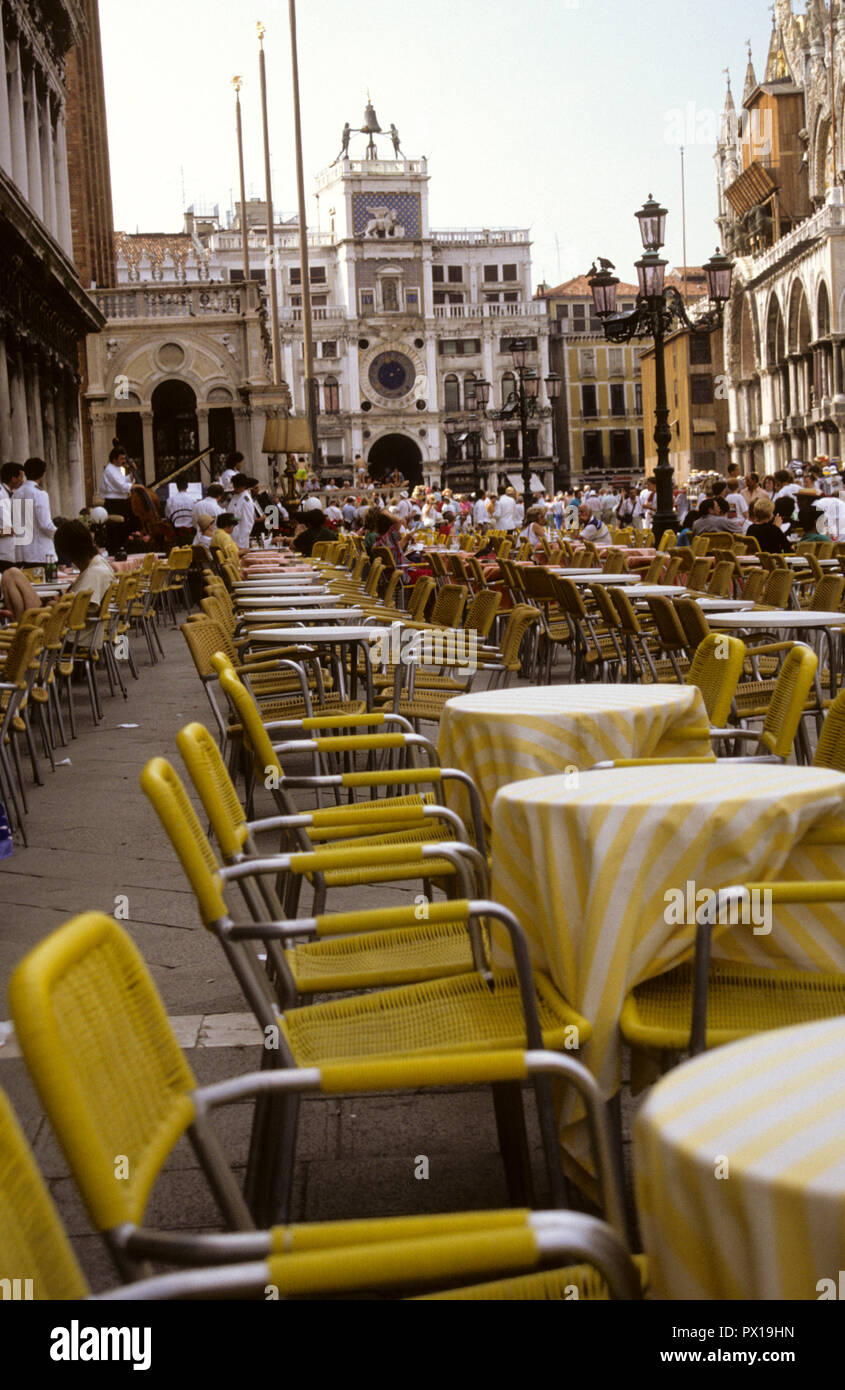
(393, 374)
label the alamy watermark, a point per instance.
(692, 906)
(404, 646)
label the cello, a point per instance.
(152, 524)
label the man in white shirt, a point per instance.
(116, 483)
(233, 465)
(504, 514)
(208, 505)
(334, 515)
(12, 477)
(243, 509)
(403, 508)
(786, 484)
(480, 514)
(592, 526)
(179, 511)
(34, 503)
(735, 500)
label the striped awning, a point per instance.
(754, 186)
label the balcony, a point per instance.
(384, 168)
(144, 302)
(481, 236)
(830, 218)
(320, 313)
(527, 309)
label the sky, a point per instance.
(557, 115)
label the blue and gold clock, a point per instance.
(392, 374)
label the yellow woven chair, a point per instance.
(830, 750)
(667, 540)
(702, 1004)
(716, 669)
(380, 1253)
(17, 676)
(367, 825)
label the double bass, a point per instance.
(152, 524)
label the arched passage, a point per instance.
(175, 428)
(394, 451)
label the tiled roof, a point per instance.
(581, 286)
(156, 246)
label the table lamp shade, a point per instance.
(286, 434)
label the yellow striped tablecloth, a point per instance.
(590, 869)
(503, 736)
(740, 1170)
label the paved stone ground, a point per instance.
(93, 839)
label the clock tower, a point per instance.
(374, 203)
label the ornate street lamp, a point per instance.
(659, 309)
(553, 385)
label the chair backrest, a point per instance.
(568, 597)
(420, 595)
(614, 562)
(830, 750)
(699, 545)
(83, 1000)
(215, 788)
(754, 584)
(213, 607)
(537, 583)
(827, 595)
(778, 588)
(716, 669)
(435, 560)
(449, 605)
(33, 1243)
(693, 621)
(719, 583)
(720, 540)
(699, 572)
(520, 620)
(786, 707)
(670, 633)
(265, 760)
(162, 786)
(481, 611)
(21, 657)
(604, 603)
(672, 570)
(371, 586)
(204, 637)
(667, 540)
(629, 623)
(391, 586)
(655, 570)
(381, 552)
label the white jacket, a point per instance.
(33, 502)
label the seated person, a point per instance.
(785, 511)
(685, 535)
(206, 527)
(592, 527)
(388, 528)
(74, 546)
(812, 521)
(535, 531)
(713, 517)
(765, 529)
(222, 540)
(313, 529)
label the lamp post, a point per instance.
(658, 310)
(524, 402)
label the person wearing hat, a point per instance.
(243, 509)
(313, 527)
(221, 538)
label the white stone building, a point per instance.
(780, 163)
(404, 317)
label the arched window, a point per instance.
(508, 387)
(451, 393)
(331, 396)
(469, 391)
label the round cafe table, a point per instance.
(502, 736)
(588, 864)
(739, 1158)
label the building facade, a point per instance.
(44, 311)
(779, 165)
(698, 407)
(405, 318)
(599, 422)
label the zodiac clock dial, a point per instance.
(392, 374)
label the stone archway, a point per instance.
(175, 430)
(396, 451)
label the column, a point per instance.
(202, 429)
(837, 368)
(33, 144)
(33, 404)
(60, 412)
(17, 121)
(7, 448)
(101, 436)
(48, 165)
(20, 427)
(63, 234)
(794, 391)
(74, 477)
(5, 119)
(149, 447)
(242, 430)
(48, 414)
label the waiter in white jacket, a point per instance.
(39, 530)
(115, 487)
